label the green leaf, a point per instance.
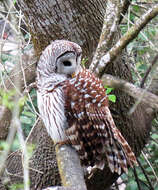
(22, 101)
(16, 186)
(142, 177)
(156, 188)
(84, 61)
(155, 136)
(4, 145)
(132, 16)
(29, 114)
(108, 90)
(6, 98)
(112, 98)
(132, 186)
(26, 120)
(136, 8)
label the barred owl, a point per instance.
(74, 107)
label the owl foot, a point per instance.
(91, 171)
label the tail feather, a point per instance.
(119, 153)
(115, 155)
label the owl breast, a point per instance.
(51, 107)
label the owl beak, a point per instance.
(73, 74)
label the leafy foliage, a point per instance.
(141, 52)
(28, 115)
(111, 97)
(6, 98)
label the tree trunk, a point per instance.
(77, 20)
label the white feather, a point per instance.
(53, 114)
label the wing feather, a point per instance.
(91, 129)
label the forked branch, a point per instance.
(99, 65)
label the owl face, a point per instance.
(68, 63)
(59, 61)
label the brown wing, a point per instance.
(91, 128)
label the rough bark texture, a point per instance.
(43, 166)
(5, 118)
(79, 21)
(134, 127)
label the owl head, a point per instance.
(59, 61)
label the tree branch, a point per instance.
(125, 6)
(146, 97)
(70, 169)
(149, 70)
(110, 24)
(111, 55)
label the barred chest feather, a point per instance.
(51, 107)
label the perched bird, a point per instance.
(74, 107)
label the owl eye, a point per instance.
(67, 63)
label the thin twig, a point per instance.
(150, 166)
(16, 110)
(145, 174)
(148, 71)
(137, 179)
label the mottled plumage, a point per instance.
(74, 107)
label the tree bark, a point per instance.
(78, 21)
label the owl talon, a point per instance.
(91, 171)
(56, 144)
